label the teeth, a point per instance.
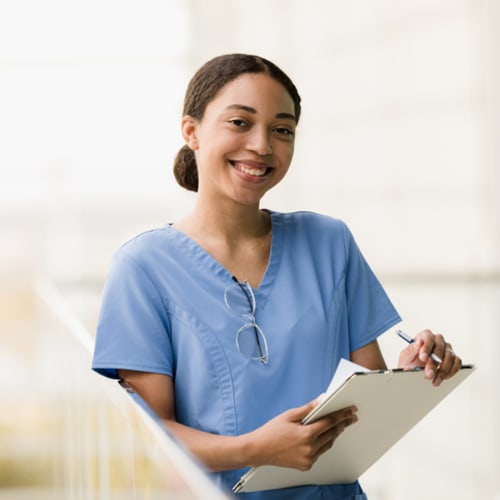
(251, 170)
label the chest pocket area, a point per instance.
(204, 392)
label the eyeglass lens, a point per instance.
(250, 339)
(251, 342)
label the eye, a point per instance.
(285, 131)
(238, 122)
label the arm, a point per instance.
(282, 441)
(369, 356)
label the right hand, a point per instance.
(285, 442)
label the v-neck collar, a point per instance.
(198, 257)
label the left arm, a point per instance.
(369, 356)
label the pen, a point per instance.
(405, 337)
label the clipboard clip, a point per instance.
(237, 487)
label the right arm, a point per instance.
(283, 441)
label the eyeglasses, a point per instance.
(250, 339)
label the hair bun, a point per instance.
(185, 169)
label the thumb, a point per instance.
(297, 414)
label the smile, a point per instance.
(250, 168)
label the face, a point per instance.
(244, 143)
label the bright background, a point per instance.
(399, 137)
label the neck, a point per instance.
(232, 224)
(237, 236)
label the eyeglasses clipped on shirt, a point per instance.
(250, 339)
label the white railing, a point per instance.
(105, 443)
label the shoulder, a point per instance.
(145, 238)
(313, 224)
(144, 246)
(321, 236)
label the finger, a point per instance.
(451, 364)
(434, 345)
(457, 365)
(448, 358)
(338, 417)
(346, 415)
(433, 351)
(326, 440)
(439, 348)
(336, 423)
(325, 446)
(430, 344)
(409, 357)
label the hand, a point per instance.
(285, 442)
(418, 354)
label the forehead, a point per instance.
(255, 90)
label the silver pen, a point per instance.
(405, 337)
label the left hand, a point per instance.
(418, 353)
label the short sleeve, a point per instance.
(370, 310)
(132, 331)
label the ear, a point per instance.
(189, 131)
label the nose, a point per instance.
(260, 142)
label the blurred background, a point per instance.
(399, 138)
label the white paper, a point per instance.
(344, 370)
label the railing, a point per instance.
(80, 436)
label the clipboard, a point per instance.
(389, 404)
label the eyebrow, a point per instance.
(287, 116)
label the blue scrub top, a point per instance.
(163, 311)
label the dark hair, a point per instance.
(205, 85)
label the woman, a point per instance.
(231, 321)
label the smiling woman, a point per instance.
(207, 83)
(254, 138)
(232, 320)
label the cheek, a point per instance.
(212, 148)
(285, 155)
(221, 144)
